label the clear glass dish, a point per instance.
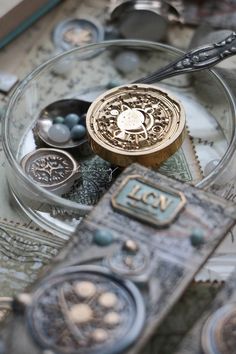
(208, 103)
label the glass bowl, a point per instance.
(210, 113)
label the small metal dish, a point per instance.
(74, 32)
(59, 108)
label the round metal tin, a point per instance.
(85, 309)
(129, 16)
(75, 32)
(53, 169)
(135, 123)
(218, 332)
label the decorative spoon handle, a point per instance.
(196, 59)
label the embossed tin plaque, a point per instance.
(150, 203)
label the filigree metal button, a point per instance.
(105, 321)
(53, 169)
(135, 123)
(218, 333)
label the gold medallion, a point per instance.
(135, 123)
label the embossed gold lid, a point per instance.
(135, 123)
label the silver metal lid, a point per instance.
(140, 19)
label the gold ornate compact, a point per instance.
(135, 123)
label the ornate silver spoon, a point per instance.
(197, 59)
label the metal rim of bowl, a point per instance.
(19, 90)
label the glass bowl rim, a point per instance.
(206, 182)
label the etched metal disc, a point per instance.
(51, 168)
(135, 122)
(83, 310)
(219, 331)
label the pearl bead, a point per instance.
(81, 313)
(130, 246)
(210, 166)
(126, 62)
(103, 237)
(59, 133)
(108, 300)
(58, 120)
(85, 289)
(71, 120)
(112, 318)
(78, 132)
(99, 335)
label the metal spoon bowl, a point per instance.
(60, 108)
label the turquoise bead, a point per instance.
(71, 120)
(197, 237)
(103, 237)
(58, 120)
(78, 132)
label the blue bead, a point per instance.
(103, 237)
(58, 120)
(78, 132)
(71, 120)
(197, 237)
